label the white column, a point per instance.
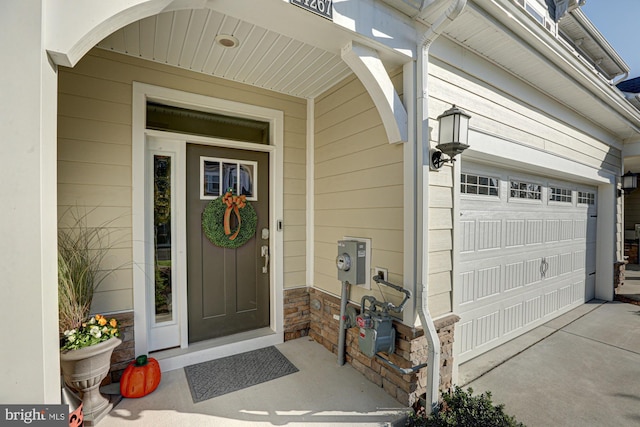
(29, 360)
(605, 249)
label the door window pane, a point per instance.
(162, 237)
(230, 177)
(217, 176)
(246, 180)
(211, 178)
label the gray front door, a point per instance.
(228, 289)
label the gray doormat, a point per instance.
(222, 376)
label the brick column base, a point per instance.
(410, 350)
(296, 313)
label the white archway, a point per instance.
(72, 28)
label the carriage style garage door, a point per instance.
(527, 254)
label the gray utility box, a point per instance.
(351, 262)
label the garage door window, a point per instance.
(476, 184)
(526, 190)
(560, 195)
(586, 198)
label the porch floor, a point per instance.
(321, 393)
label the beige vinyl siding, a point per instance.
(358, 186)
(499, 113)
(94, 154)
(440, 241)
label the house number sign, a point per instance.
(323, 8)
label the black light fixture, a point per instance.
(453, 136)
(629, 182)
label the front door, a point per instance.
(227, 287)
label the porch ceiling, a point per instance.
(263, 58)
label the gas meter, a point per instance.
(351, 261)
(377, 333)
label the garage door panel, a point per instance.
(489, 235)
(481, 236)
(489, 326)
(513, 318)
(522, 261)
(514, 275)
(580, 229)
(532, 309)
(468, 233)
(535, 235)
(579, 260)
(515, 233)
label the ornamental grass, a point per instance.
(81, 253)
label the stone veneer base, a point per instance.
(411, 349)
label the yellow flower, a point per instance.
(98, 317)
(113, 323)
(114, 331)
(102, 321)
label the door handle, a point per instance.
(544, 266)
(265, 254)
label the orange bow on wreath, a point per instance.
(234, 203)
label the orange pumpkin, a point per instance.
(140, 377)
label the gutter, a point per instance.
(422, 140)
(597, 36)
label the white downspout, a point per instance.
(422, 166)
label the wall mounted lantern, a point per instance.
(452, 136)
(629, 182)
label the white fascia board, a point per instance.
(493, 149)
(377, 22)
(367, 65)
(599, 38)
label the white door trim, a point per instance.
(216, 348)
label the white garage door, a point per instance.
(527, 254)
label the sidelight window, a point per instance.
(162, 226)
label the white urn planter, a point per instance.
(84, 369)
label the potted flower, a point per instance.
(87, 342)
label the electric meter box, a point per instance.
(351, 261)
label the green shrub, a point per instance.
(461, 409)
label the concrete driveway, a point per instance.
(582, 369)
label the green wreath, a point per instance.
(213, 219)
